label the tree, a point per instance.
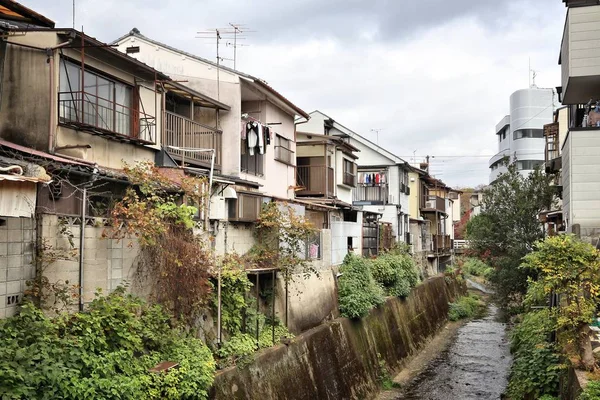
(508, 226)
(569, 268)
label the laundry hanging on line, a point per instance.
(257, 136)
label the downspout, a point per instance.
(81, 247)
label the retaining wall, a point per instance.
(340, 359)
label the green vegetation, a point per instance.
(358, 291)
(466, 307)
(591, 391)
(385, 379)
(397, 274)
(570, 268)
(105, 352)
(536, 365)
(507, 229)
(365, 282)
(475, 267)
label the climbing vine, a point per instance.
(174, 262)
(281, 236)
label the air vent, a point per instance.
(13, 300)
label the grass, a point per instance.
(469, 306)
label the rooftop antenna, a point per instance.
(217, 34)
(377, 133)
(532, 76)
(73, 14)
(238, 30)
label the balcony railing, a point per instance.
(284, 155)
(186, 133)
(433, 203)
(315, 180)
(366, 193)
(104, 116)
(349, 179)
(441, 244)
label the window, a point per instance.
(245, 208)
(102, 103)
(283, 150)
(528, 164)
(252, 164)
(528, 134)
(349, 173)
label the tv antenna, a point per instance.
(238, 31)
(377, 133)
(217, 34)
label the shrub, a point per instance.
(105, 352)
(395, 273)
(591, 391)
(357, 290)
(536, 363)
(465, 307)
(476, 267)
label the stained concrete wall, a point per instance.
(16, 261)
(339, 359)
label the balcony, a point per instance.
(184, 132)
(315, 180)
(552, 159)
(101, 116)
(441, 244)
(580, 55)
(433, 204)
(368, 194)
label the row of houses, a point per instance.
(74, 111)
(572, 138)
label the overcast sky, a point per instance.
(434, 76)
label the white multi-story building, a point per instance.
(520, 134)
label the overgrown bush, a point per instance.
(357, 289)
(396, 273)
(476, 267)
(239, 349)
(591, 391)
(536, 363)
(465, 307)
(103, 353)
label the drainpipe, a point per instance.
(52, 95)
(81, 246)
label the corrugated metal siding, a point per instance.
(583, 41)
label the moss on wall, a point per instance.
(338, 360)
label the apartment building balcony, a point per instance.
(370, 194)
(552, 158)
(441, 244)
(182, 132)
(315, 181)
(580, 54)
(106, 117)
(433, 204)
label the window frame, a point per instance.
(287, 152)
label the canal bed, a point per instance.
(475, 365)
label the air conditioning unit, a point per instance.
(217, 207)
(430, 204)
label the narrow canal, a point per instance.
(475, 365)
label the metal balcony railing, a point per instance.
(101, 115)
(186, 133)
(368, 193)
(315, 180)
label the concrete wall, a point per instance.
(25, 116)
(339, 359)
(107, 262)
(340, 232)
(17, 247)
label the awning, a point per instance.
(192, 95)
(21, 178)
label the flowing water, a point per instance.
(475, 365)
